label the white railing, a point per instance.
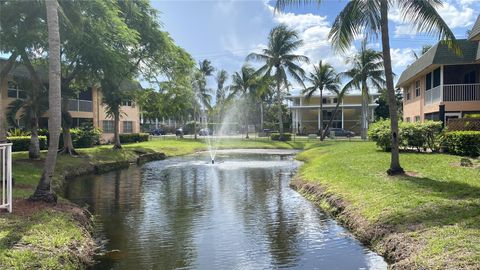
(6, 175)
(78, 105)
(461, 92)
(433, 95)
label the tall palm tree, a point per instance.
(367, 70)
(371, 17)
(31, 108)
(324, 77)
(244, 82)
(279, 62)
(202, 96)
(44, 192)
(221, 93)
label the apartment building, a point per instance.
(87, 107)
(306, 112)
(441, 84)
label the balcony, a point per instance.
(78, 105)
(453, 93)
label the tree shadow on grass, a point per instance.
(455, 203)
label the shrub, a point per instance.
(85, 136)
(379, 132)
(16, 132)
(417, 135)
(134, 137)
(463, 143)
(21, 143)
(276, 137)
(472, 115)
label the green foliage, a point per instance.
(85, 136)
(284, 138)
(16, 132)
(418, 135)
(134, 137)
(472, 115)
(21, 143)
(464, 143)
(379, 132)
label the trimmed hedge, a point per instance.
(276, 137)
(134, 137)
(21, 143)
(463, 143)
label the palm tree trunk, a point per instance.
(34, 147)
(321, 115)
(395, 167)
(116, 132)
(334, 114)
(195, 120)
(279, 112)
(3, 76)
(68, 148)
(44, 192)
(364, 111)
(246, 124)
(261, 115)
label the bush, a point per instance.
(134, 137)
(85, 136)
(276, 137)
(21, 143)
(16, 132)
(463, 143)
(379, 132)
(417, 135)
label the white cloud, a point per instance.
(401, 58)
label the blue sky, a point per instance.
(225, 31)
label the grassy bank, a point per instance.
(427, 219)
(42, 237)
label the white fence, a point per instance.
(461, 92)
(78, 105)
(6, 175)
(433, 95)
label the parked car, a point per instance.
(340, 132)
(179, 132)
(204, 132)
(157, 131)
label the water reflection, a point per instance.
(237, 214)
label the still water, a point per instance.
(184, 213)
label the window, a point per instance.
(324, 101)
(335, 100)
(469, 77)
(436, 77)
(407, 119)
(14, 92)
(127, 126)
(417, 88)
(108, 126)
(417, 118)
(127, 103)
(407, 93)
(428, 82)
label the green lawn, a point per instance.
(436, 207)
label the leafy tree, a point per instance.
(324, 77)
(340, 94)
(367, 70)
(32, 107)
(381, 111)
(44, 192)
(371, 17)
(425, 49)
(278, 61)
(201, 92)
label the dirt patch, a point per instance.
(396, 247)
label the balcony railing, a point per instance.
(78, 105)
(461, 92)
(453, 93)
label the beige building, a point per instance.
(86, 108)
(441, 85)
(306, 112)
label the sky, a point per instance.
(226, 31)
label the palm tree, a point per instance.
(44, 192)
(324, 77)
(371, 17)
(221, 93)
(202, 95)
(244, 82)
(367, 71)
(32, 107)
(339, 94)
(279, 60)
